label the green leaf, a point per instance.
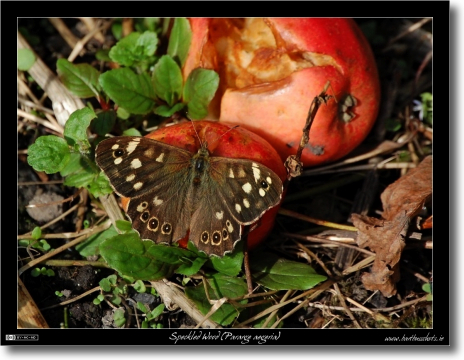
(79, 171)
(142, 307)
(103, 55)
(105, 285)
(157, 311)
(229, 264)
(281, 274)
(167, 80)
(26, 59)
(124, 225)
(49, 153)
(75, 130)
(35, 272)
(131, 132)
(81, 79)
(191, 267)
(199, 90)
(36, 233)
(104, 122)
(139, 286)
(113, 279)
(166, 111)
(129, 255)
(218, 286)
(118, 318)
(90, 246)
(179, 40)
(131, 91)
(135, 49)
(100, 186)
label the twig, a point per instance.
(98, 288)
(315, 221)
(40, 121)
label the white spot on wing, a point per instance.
(135, 164)
(269, 180)
(160, 158)
(219, 215)
(256, 172)
(130, 177)
(238, 207)
(131, 147)
(230, 228)
(231, 173)
(115, 146)
(262, 192)
(138, 185)
(246, 203)
(157, 201)
(118, 160)
(246, 187)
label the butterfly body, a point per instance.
(174, 192)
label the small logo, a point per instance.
(22, 337)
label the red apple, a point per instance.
(238, 143)
(270, 71)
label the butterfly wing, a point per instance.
(236, 192)
(155, 177)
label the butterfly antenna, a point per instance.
(232, 128)
(196, 132)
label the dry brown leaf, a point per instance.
(401, 201)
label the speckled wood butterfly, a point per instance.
(173, 191)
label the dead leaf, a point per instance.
(401, 201)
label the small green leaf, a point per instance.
(281, 274)
(104, 122)
(36, 233)
(218, 286)
(100, 186)
(90, 246)
(118, 318)
(139, 286)
(81, 79)
(166, 111)
(129, 255)
(123, 113)
(75, 130)
(190, 268)
(131, 132)
(105, 285)
(50, 272)
(35, 272)
(145, 324)
(229, 264)
(124, 225)
(49, 153)
(45, 245)
(116, 300)
(79, 171)
(142, 307)
(167, 80)
(179, 40)
(135, 49)
(26, 59)
(113, 279)
(96, 301)
(134, 92)
(101, 297)
(199, 90)
(103, 55)
(157, 311)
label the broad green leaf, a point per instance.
(90, 246)
(75, 130)
(199, 90)
(218, 286)
(166, 111)
(104, 122)
(49, 153)
(135, 48)
(73, 165)
(167, 80)
(134, 92)
(281, 274)
(229, 264)
(190, 268)
(129, 255)
(79, 172)
(81, 79)
(26, 59)
(179, 40)
(124, 225)
(100, 186)
(81, 178)
(118, 318)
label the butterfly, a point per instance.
(173, 191)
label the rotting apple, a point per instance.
(227, 143)
(271, 70)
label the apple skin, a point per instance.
(276, 106)
(237, 143)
